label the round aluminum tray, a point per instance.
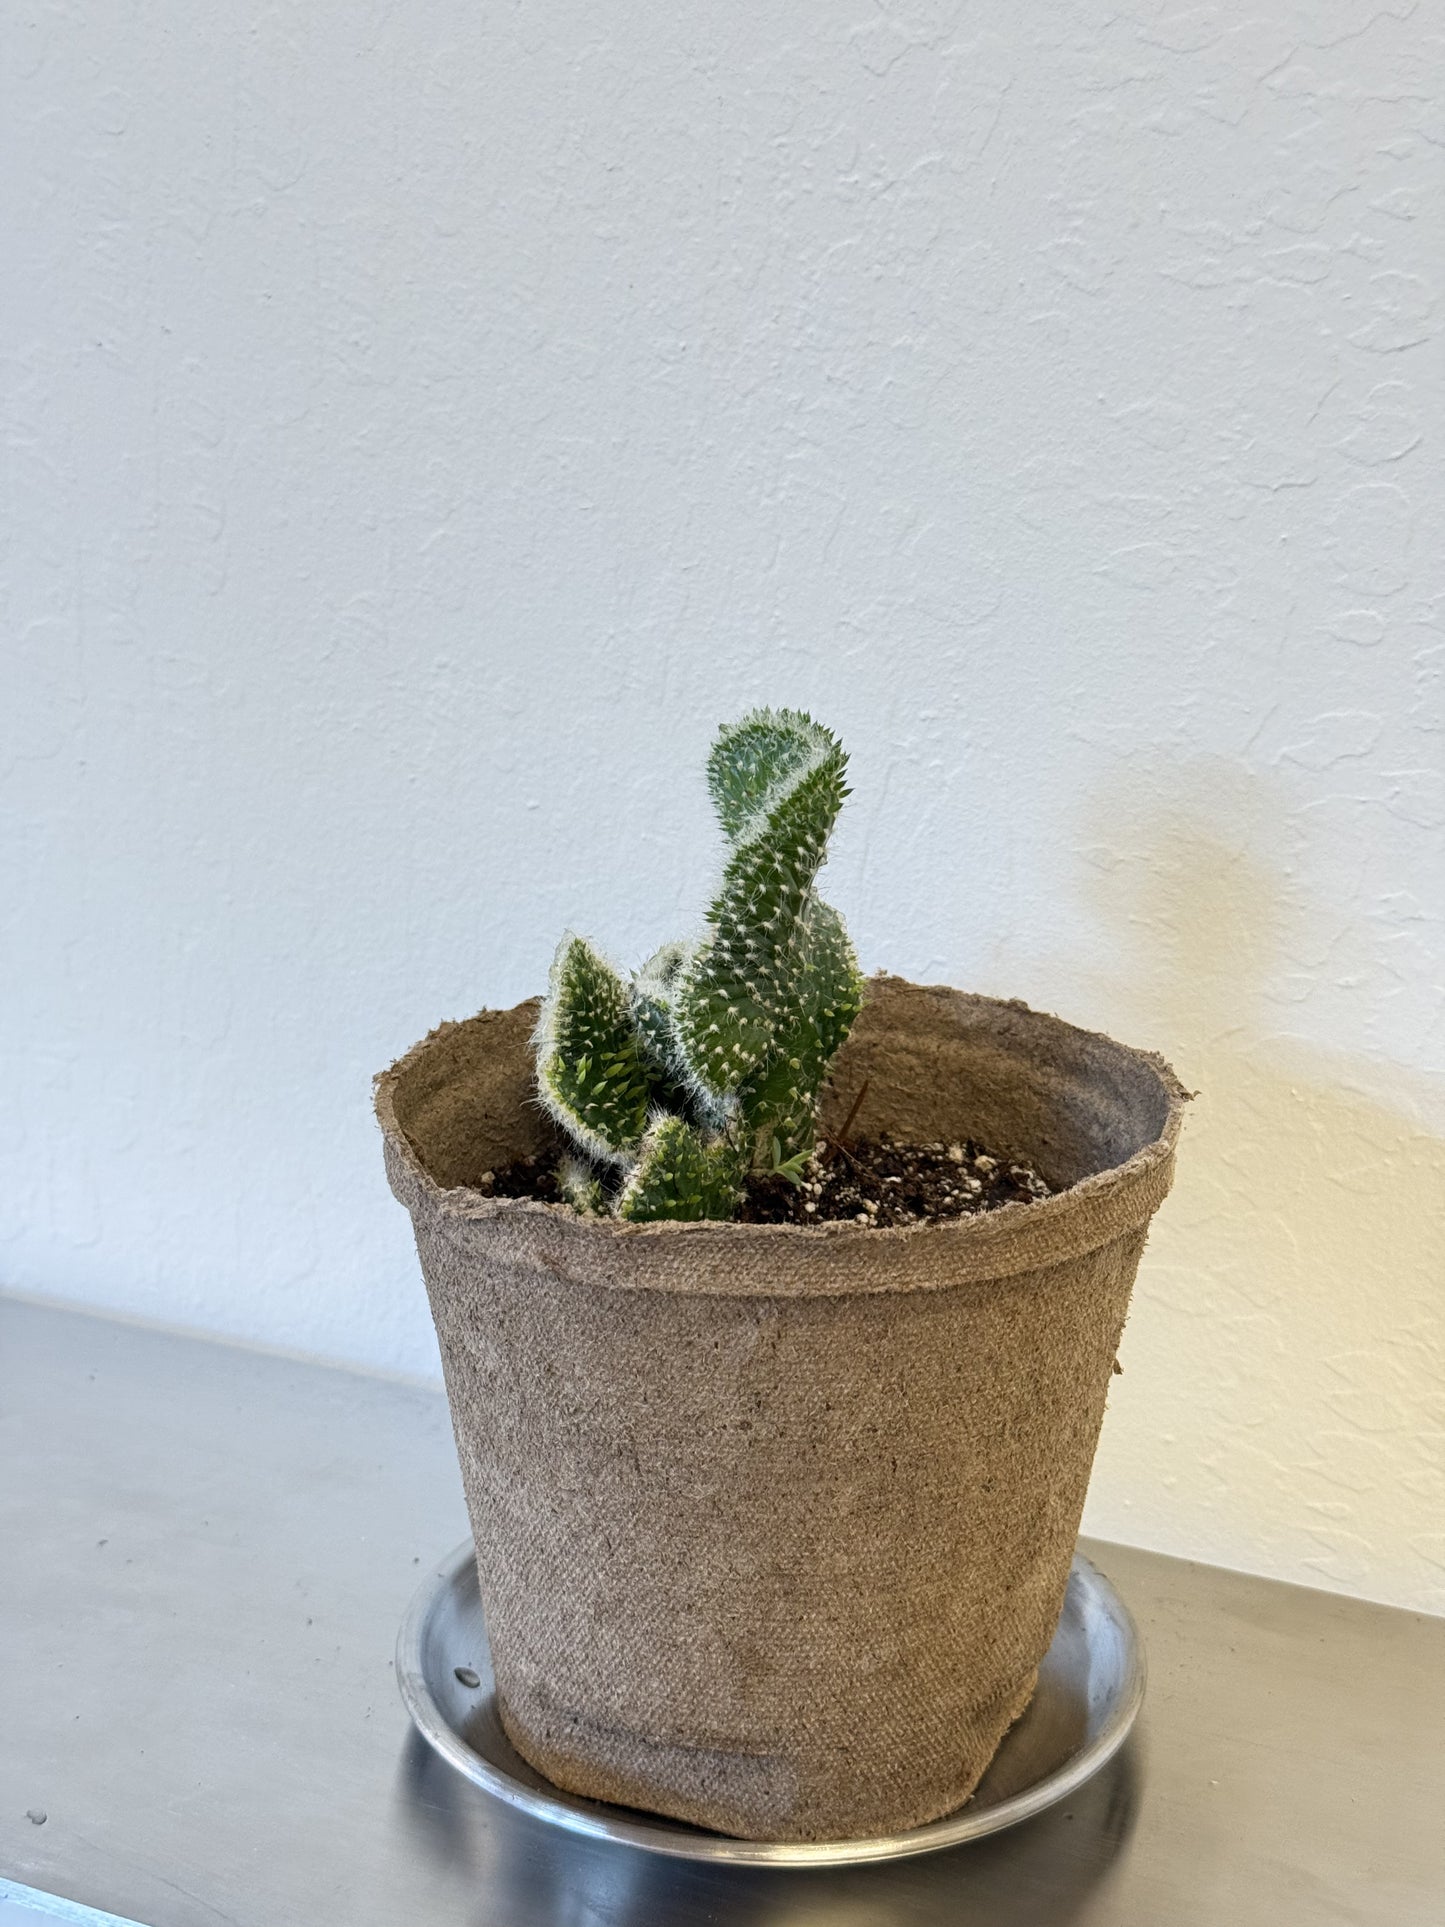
(1090, 1688)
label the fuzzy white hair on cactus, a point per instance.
(707, 1065)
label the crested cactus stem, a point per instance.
(708, 1064)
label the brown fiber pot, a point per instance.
(773, 1524)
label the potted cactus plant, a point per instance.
(775, 1442)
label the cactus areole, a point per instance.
(675, 1085)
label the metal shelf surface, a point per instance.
(205, 1552)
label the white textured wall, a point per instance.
(425, 423)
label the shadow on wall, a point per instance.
(1282, 1404)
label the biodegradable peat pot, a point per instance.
(773, 1523)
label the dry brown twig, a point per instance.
(836, 1143)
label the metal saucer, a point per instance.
(1091, 1685)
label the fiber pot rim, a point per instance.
(1096, 1208)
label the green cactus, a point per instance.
(680, 1173)
(708, 1064)
(591, 1074)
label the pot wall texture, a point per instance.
(424, 427)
